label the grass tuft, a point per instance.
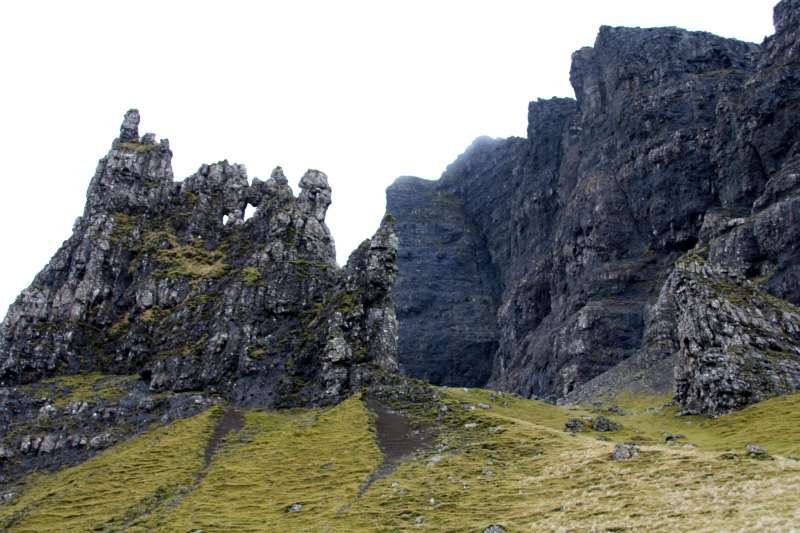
(139, 148)
(251, 276)
(64, 390)
(191, 261)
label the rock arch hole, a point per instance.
(249, 211)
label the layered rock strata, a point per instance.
(675, 139)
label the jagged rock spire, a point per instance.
(129, 130)
(315, 194)
(147, 244)
(279, 176)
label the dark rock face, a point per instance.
(167, 280)
(447, 274)
(675, 140)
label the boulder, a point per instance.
(624, 452)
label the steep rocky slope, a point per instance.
(164, 285)
(676, 141)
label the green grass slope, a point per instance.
(510, 464)
(316, 458)
(108, 491)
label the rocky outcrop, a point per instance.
(64, 421)
(165, 300)
(675, 138)
(166, 279)
(738, 344)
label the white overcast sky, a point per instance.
(363, 90)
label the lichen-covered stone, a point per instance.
(604, 424)
(624, 452)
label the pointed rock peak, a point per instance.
(315, 194)
(129, 131)
(278, 175)
(314, 179)
(277, 184)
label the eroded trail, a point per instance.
(231, 421)
(398, 440)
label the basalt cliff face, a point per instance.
(167, 280)
(549, 266)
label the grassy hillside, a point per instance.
(115, 487)
(505, 462)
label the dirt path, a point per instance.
(231, 420)
(398, 440)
